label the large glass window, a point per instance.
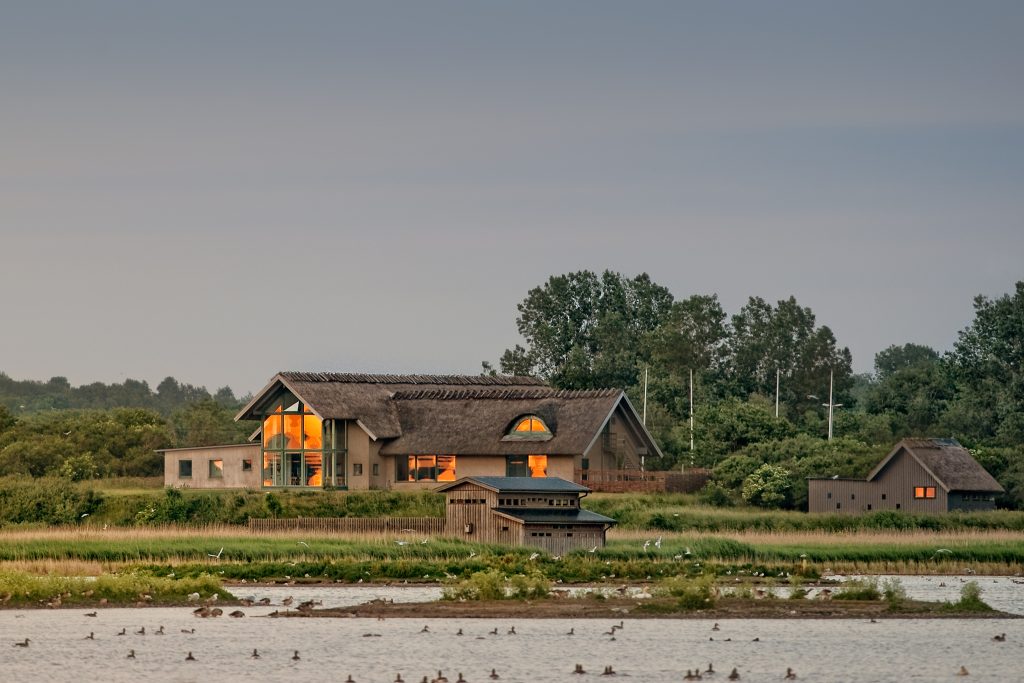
(924, 492)
(216, 469)
(184, 469)
(538, 465)
(300, 449)
(425, 468)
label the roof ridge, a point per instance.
(370, 378)
(500, 394)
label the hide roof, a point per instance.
(519, 485)
(951, 464)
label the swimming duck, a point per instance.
(131, 654)
(1001, 638)
(190, 658)
(23, 643)
(494, 675)
(963, 671)
(296, 657)
(91, 636)
(579, 669)
(790, 674)
(734, 675)
(123, 632)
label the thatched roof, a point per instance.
(455, 414)
(951, 464)
(518, 485)
(476, 422)
(366, 398)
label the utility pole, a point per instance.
(831, 405)
(778, 373)
(691, 415)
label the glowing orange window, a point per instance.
(919, 492)
(531, 424)
(538, 465)
(929, 492)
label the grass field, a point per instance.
(225, 552)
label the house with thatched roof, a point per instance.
(918, 475)
(541, 512)
(360, 431)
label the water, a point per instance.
(652, 650)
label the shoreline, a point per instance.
(653, 608)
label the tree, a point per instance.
(768, 486)
(784, 338)
(897, 358)
(987, 365)
(583, 330)
(207, 423)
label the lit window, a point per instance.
(924, 492)
(531, 423)
(185, 469)
(426, 468)
(538, 465)
(216, 469)
(918, 492)
(929, 492)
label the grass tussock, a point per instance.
(21, 588)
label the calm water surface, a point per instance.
(645, 650)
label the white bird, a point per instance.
(686, 551)
(657, 544)
(218, 553)
(303, 543)
(472, 555)
(402, 542)
(593, 550)
(83, 515)
(534, 556)
(646, 545)
(424, 541)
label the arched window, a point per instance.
(531, 424)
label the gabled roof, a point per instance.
(554, 516)
(519, 485)
(952, 465)
(476, 422)
(366, 398)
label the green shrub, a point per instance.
(970, 599)
(893, 592)
(692, 594)
(859, 589)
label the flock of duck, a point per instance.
(207, 610)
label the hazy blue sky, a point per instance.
(221, 190)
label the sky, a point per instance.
(221, 190)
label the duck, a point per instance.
(734, 675)
(131, 654)
(91, 636)
(579, 669)
(459, 633)
(287, 602)
(349, 679)
(159, 631)
(461, 679)
(571, 632)
(963, 671)
(190, 658)
(715, 627)
(440, 678)
(90, 614)
(237, 614)
(425, 629)
(24, 643)
(790, 674)
(141, 631)
(710, 669)
(512, 631)
(398, 678)
(255, 654)
(494, 632)
(1001, 638)
(296, 657)
(123, 632)
(494, 675)
(188, 630)
(608, 671)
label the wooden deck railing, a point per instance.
(350, 525)
(635, 481)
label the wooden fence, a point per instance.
(635, 481)
(350, 525)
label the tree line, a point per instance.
(588, 330)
